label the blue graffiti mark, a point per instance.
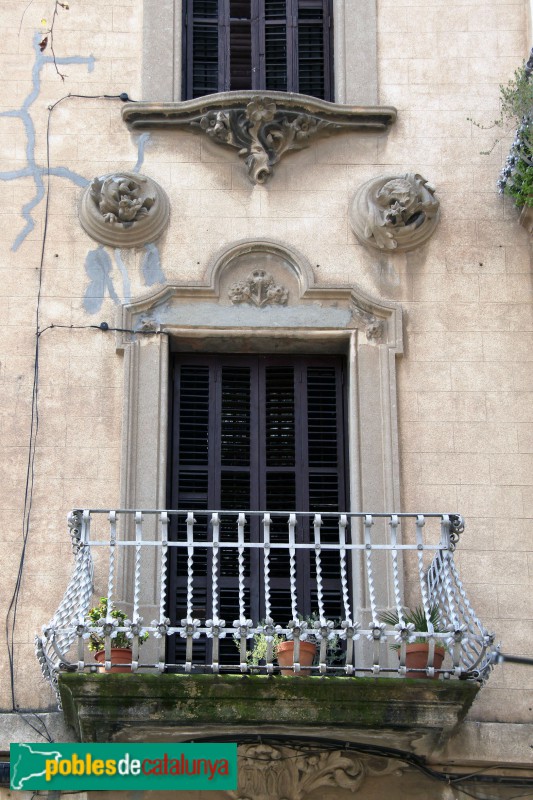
(151, 266)
(98, 267)
(125, 277)
(33, 169)
(141, 144)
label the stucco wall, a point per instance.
(465, 390)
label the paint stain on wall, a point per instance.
(32, 169)
(98, 264)
(98, 267)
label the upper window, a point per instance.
(276, 45)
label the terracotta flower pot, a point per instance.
(285, 657)
(416, 657)
(120, 659)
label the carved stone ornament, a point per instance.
(395, 212)
(262, 127)
(124, 209)
(286, 773)
(374, 327)
(260, 289)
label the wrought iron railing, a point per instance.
(379, 562)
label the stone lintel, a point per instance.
(414, 715)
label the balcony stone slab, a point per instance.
(412, 715)
(262, 126)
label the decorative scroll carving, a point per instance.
(262, 127)
(395, 212)
(263, 134)
(124, 209)
(260, 289)
(374, 327)
(267, 771)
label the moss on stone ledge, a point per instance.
(97, 702)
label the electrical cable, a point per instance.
(11, 615)
(314, 745)
(103, 326)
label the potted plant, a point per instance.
(416, 651)
(283, 647)
(121, 655)
(285, 651)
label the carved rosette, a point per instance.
(395, 212)
(285, 773)
(258, 289)
(124, 209)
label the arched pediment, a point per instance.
(260, 284)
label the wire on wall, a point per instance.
(11, 615)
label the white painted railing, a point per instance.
(382, 560)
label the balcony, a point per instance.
(207, 586)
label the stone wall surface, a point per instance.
(465, 380)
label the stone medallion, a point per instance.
(395, 212)
(124, 209)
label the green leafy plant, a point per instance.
(416, 617)
(516, 112)
(258, 651)
(96, 618)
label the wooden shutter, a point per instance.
(264, 433)
(314, 48)
(277, 45)
(206, 46)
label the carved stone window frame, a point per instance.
(354, 45)
(307, 319)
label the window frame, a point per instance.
(355, 74)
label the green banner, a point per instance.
(81, 767)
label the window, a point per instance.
(260, 433)
(277, 45)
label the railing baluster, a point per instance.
(317, 524)
(269, 622)
(393, 526)
(163, 521)
(190, 586)
(215, 524)
(343, 524)
(348, 621)
(190, 561)
(266, 563)
(137, 587)
(112, 550)
(241, 522)
(369, 571)
(375, 626)
(420, 522)
(292, 570)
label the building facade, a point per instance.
(255, 262)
